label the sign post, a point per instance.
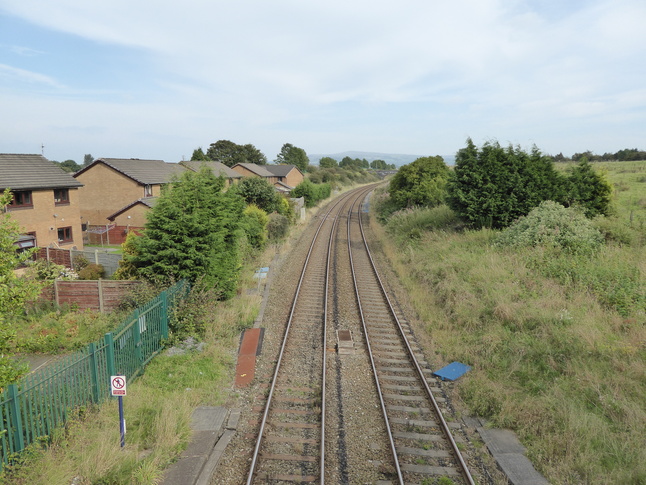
(118, 388)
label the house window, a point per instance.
(65, 234)
(61, 196)
(21, 199)
(148, 190)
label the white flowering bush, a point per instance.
(552, 225)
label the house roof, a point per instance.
(259, 170)
(146, 172)
(283, 187)
(32, 172)
(281, 170)
(147, 201)
(217, 168)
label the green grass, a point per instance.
(557, 342)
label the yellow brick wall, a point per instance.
(41, 220)
(137, 213)
(294, 177)
(105, 191)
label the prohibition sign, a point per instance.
(118, 385)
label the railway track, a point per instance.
(411, 442)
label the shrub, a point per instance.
(278, 227)
(412, 223)
(552, 225)
(254, 225)
(80, 262)
(92, 272)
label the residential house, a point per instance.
(283, 177)
(218, 169)
(45, 201)
(289, 175)
(109, 184)
(114, 185)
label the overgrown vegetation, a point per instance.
(158, 410)
(551, 315)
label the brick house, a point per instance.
(283, 177)
(111, 184)
(45, 201)
(218, 169)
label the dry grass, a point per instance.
(551, 359)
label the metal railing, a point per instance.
(39, 403)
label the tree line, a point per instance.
(230, 154)
(625, 155)
(492, 186)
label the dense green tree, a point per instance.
(193, 232)
(293, 155)
(493, 186)
(589, 190)
(199, 155)
(230, 153)
(88, 159)
(259, 192)
(328, 162)
(15, 291)
(421, 183)
(253, 155)
(378, 165)
(70, 166)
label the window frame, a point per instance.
(65, 197)
(20, 194)
(68, 236)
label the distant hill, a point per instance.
(397, 159)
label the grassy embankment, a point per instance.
(557, 342)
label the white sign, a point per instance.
(118, 385)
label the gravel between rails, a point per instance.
(356, 446)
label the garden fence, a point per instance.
(34, 407)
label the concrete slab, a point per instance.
(509, 453)
(207, 424)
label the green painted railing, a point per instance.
(40, 402)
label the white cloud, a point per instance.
(12, 74)
(281, 67)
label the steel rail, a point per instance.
(391, 439)
(445, 428)
(263, 424)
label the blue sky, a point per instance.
(156, 79)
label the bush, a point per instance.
(80, 262)
(412, 223)
(552, 225)
(255, 225)
(278, 227)
(92, 272)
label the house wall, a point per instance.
(41, 220)
(294, 177)
(106, 191)
(136, 216)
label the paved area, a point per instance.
(509, 453)
(213, 427)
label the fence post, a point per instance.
(100, 290)
(16, 418)
(137, 337)
(109, 354)
(94, 372)
(164, 315)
